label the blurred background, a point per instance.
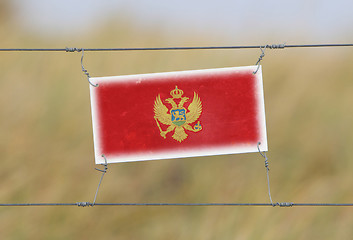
(46, 140)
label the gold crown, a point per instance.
(176, 93)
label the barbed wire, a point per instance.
(269, 46)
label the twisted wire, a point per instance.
(269, 46)
(103, 172)
(263, 154)
(82, 67)
(88, 204)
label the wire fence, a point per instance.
(89, 204)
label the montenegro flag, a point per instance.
(178, 114)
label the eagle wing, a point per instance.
(195, 109)
(161, 112)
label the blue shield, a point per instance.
(178, 116)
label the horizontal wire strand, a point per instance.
(87, 204)
(273, 46)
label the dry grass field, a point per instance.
(46, 146)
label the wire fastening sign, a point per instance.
(178, 114)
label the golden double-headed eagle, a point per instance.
(178, 118)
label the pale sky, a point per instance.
(316, 21)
